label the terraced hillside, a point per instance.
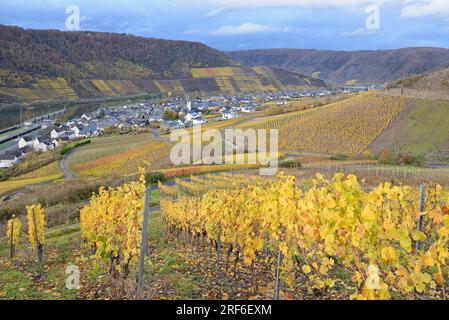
(346, 127)
(45, 89)
(40, 65)
(221, 80)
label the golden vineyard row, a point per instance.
(335, 225)
(345, 127)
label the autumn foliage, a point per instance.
(334, 234)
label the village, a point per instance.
(42, 135)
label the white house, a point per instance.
(7, 160)
(197, 121)
(42, 144)
(181, 124)
(25, 142)
(191, 116)
(85, 117)
(228, 115)
(43, 147)
(75, 132)
(56, 133)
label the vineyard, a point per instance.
(126, 162)
(48, 173)
(249, 237)
(345, 127)
(334, 239)
(190, 170)
(52, 169)
(107, 146)
(44, 89)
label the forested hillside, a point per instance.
(40, 65)
(25, 54)
(434, 85)
(341, 67)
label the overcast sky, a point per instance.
(251, 24)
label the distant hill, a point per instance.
(341, 67)
(40, 65)
(94, 55)
(434, 85)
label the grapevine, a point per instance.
(13, 234)
(36, 229)
(334, 225)
(112, 224)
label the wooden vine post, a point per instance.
(12, 247)
(422, 208)
(277, 286)
(219, 247)
(143, 243)
(38, 244)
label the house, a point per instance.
(107, 123)
(55, 143)
(228, 115)
(25, 142)
(173, 124)
(181, 124)
(89, 131)
(75, 132)
(198, 121)
(85, 117)
(156, 115)
(191, 116)
(8, 159)
(26, 150)
(42, 144)
(56, 133)
(63, 137)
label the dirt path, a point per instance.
(68, 174)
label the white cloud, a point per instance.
(245, 28)
(414, 9)
(216, 12)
